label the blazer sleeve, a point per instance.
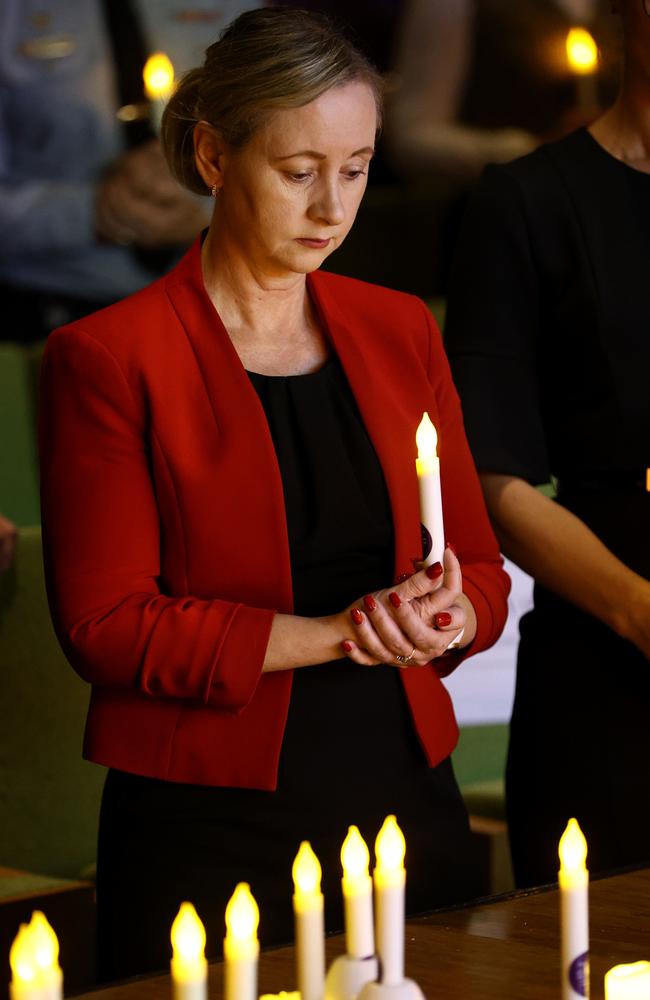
(467, 525)
(101, 536)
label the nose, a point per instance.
(327, 205)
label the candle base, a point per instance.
(347, 976)
(408, 989)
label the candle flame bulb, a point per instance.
(390, 848)
(158, 76)
(355, 857)
(45, 943)
(573, 850)
(426, 438)
(188, 935)
(21, 956)
(242, 915)
(581, 50)
(306, 871)
(628, 982)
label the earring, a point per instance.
(214, 191)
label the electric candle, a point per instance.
(309, 923)
(574, 907)
(158, 74)
(582, 57)
(628, 982)
(390, 880)
(189, 968)
(427, 465)
(357, 895)
(241, 947)
(34, 961)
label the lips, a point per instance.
(315, 243)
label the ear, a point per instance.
(210, 154)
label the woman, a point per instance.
(548, 337)
(227, 471)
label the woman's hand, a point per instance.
(414, 622)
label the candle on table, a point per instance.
(389, 879)
(309, 923)
(158, 74)
(357, 895)
(34, 961)
(189, 968)
(628, 982)
(582, 57)
(241, 948)
(427, 465)
(574, 908)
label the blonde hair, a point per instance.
(265, 60)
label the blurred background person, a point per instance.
(484, 81)
(88, 208)
(547, 332)
(7, 543)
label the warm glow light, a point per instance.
(242, 915)
(647, 480)
(573, 848)
(628, 982)
(34, 958)
(355, 858)
(21, 957)
(306, 871)
(44, 942)
(390, 848)
(426, 438)
(158, 76)
(581, 51)
(188, 936)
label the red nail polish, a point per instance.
(442, 619)
(402, 577)
(356, 616)
(434, 571)
(452, 547)
(394, 599)
(346, 646)
(370, 603)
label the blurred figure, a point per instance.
(7, 543)
(547, 333)
(88, 208)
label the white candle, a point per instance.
(241, 948)
(390, 880)
(309, 924)
(428, 469)
(158, 74)
(574, 907)
(357, 895)
(628, 982)
(34, 960)
(189, 968)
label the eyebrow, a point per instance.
(320, 156)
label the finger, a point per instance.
(423, 582)
(382, 613)
(428, 640)
(358, 655)
(367, 636)
(452, 619)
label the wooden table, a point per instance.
(506, 948)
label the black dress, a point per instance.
(548, 334)
(349, 753)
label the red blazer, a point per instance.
(165, 536)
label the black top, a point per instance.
(548, 331)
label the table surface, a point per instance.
(506, 948)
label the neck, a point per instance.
(624, 130)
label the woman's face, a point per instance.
(290, 196)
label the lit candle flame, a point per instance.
(21, 956)
(34, 954)
(390, 848)
(581, 50)
(306, 871)
(628, 982)
(188, 935)
(573, 848)
(355, 856)
(158, 76)
(426, 438)
(242, 914)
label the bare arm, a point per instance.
(564, 555)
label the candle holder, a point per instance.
(347, 976)
(408, 989)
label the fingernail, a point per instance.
(346, 646)
(402, 577)
(434, 571)
(452, 547)
(356, 616)
(394, 599)
(442, 619)
(370, 603)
